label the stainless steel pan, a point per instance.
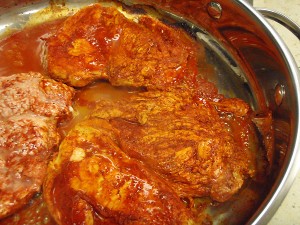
(251, 62)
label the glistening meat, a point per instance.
(92, 181)
(174, 140)
(190, 144)
(127, 52)
(30, 107)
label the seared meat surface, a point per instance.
(30, 106)
(188, 143)
(134, 160)
(78, 52)
(159, 146)
(100, 42)
(179, 139)
(92, 181)
(153, 55)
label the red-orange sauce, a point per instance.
(35, 213)
(22, 52)
(86, 99)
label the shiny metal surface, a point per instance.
(279, 94)
(214, 9)
(250, 1)
(290, 167)
(267, 62)
(258, 62)
(282, 19)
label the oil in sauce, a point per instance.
(23, 52)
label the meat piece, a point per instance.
(199, 151)
(32, 93)
(128, 52)
(30, 107)
(232, 105)
(36, 212)
(78, 52)
(92, 181)
(153, 55)
(25, 146)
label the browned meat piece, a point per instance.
(30, 107)
(199, 152)
(92, 181)
(151, 54)
(32, 93)
(99, 42)
(78, 52)
(232, 105)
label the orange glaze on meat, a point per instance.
(101, 43)
(22, 52)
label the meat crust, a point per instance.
(128, 52)
(180, 131)
(32, 93)
(150, 150)
(78, 52)
(153, 55)
(198, 151)
(92, 181)
(30, 107)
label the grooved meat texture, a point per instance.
(198, 151)
(139, 160)
(102, 43)
(30, 107)
(92, 181)
(146, 150)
